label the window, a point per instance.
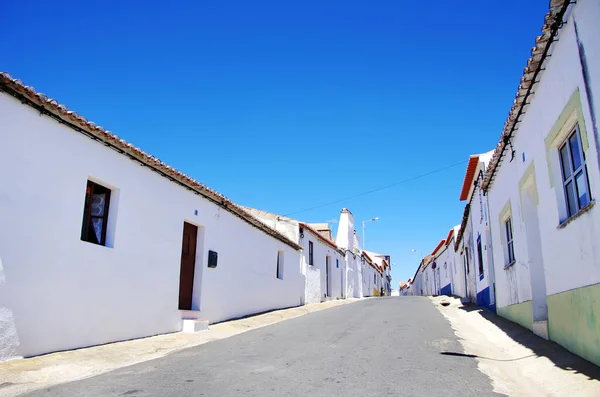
(509, 241)
(574, 173)
(310, 254)
(467, 259)
(337, 263)
(95, 214)
(480, 256)
(280, 265)
(375, 279)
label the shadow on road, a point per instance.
(561, 357)
(485, 358)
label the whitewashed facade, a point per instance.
(474, 236)
(347, 241)
(60, 292)
(546, 247)
(331, 270)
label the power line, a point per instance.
(380, 188)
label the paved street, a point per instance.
(385, 346)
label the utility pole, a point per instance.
(364, 244)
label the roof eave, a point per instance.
(551, 27)
(52, 108)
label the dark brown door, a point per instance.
(188, 263)
(327, 275)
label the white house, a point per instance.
(542, 184)
(448, 274)
(383, 264)
(347, 240)
(456, 262)
(372, 275)
(101, 242)
(473, 239)
(323, 263)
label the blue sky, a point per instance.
(288, 105)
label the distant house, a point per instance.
(403, 288)
(323, 263)
(382, 263)
(473, 240)
(372, 275)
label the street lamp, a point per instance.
(363, 229)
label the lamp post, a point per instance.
(363, 230)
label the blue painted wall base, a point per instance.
(483, 298)
(447, 290)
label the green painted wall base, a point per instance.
(574, 321)
(521, 313)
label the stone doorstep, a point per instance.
(194, 325)
(192, 322)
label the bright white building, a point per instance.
(323, 264)
(383, 264)
(448, 274)
(101, 242)
(542, 185)
(347, 240)
(372, 275)
(473, 240)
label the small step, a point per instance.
(194, 325)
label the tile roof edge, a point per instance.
(322, 238)
(39, 101)
(543, 42)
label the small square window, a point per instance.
(95, 213)
(574, 172)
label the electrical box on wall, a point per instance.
(212, 258)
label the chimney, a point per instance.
(345, 231)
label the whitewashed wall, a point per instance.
(480, 229)
(58, 292)
(312, 291)
(368, 274)
(445, 261)
(459, 286)
(576, 244)
(469, 254)
(320, 252)
(346, 240)
(353, 276)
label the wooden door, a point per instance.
(188, 264)
(327, 263)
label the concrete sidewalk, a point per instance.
(21, 376)
(518, 362)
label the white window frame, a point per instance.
(571, 180)
(510, 241)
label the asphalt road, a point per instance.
(376, 347)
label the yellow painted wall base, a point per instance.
(521, 313)
(574, 321)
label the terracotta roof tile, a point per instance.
(322, 237)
